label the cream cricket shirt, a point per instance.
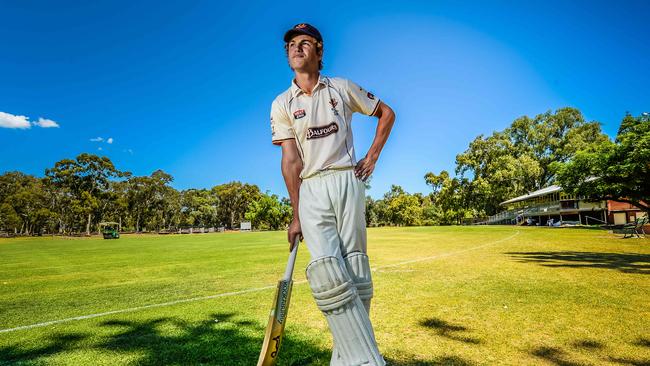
(320, 122)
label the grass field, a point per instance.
(443, 295)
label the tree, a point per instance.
(520, 158)
(233, 199)
(199, 208)
(450, 196)
(377, 211)
(86, 179)
(268, 212)
(401, 208)
(115, 205)
(24, 202)
(371, 212)
(618, 171)
(147, 200)
(9, 219)
(553, 137)
(11, 183)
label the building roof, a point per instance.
(540, 192)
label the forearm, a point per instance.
(291, 173)
(384, 126)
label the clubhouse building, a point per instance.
(550, 206)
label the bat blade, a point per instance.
(275, 327)
(277, 318)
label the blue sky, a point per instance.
(186, 86)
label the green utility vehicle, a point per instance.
(110, 230)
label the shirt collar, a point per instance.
(295, 89)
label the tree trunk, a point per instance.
(88, 225)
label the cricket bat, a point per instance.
(278, 316)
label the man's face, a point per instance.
(303, 53)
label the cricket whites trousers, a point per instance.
(332, 218)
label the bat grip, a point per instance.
(292, 260)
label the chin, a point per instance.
(303, 67)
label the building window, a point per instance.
(569, 205)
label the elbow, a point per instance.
(291, 166)
(389, 115)
(386, 113)
(290, 161)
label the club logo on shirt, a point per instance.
(299, 114)
(371, 96)
(334, 103)
(322, 131)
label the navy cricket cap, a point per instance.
(303, 28)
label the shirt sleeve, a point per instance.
(361, 100)
(280, 124)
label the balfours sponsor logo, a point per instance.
(322, 131)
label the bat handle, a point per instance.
(292, 260)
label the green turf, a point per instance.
(443, 295)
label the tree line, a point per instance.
(558, 147)
(77, 194)
(551, 148)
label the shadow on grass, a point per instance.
(588, 344)
(443, 360)
(559, 357)
(56, 343)
(225, 342)
(629, 361)
(448, 330)
(172, 341)
(554, 355)
(642, 342)
(624, 262)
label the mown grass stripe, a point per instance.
(235, 293)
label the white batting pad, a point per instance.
(358, 267)
(336, 296)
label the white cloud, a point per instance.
(100, 149)
(8, 120)
(97, 139)
(110, 140)
(128, 151)
(46, 123)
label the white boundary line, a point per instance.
(234, 293)
(446, 254)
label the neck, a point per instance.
(307, 80)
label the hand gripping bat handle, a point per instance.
(288, 273)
